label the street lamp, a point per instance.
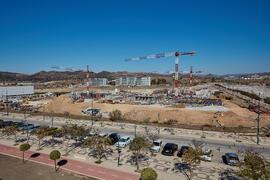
(118, 161)
(27, 134)
(258, 118)
(135, 126)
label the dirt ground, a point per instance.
(235, 117)
(13, 169)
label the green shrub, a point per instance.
(148, 174)
(115, 115)
(267, 100)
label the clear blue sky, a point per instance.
(229, 36)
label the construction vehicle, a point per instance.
(92, 112)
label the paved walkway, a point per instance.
(70, 165)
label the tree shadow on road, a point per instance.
(229, 174)
(61, 163)
(183, 168)
(35, 155)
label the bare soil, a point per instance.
(235, 117)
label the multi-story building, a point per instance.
(16, 90)
(98, 81)
(133, 81)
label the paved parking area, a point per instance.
(165, 164)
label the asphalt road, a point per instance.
(212, 144)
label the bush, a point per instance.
(115, 115)
(171, 122)
(148, 174)
(267, 100)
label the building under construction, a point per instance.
(98, 81)
(133, 81)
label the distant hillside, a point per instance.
(44, 76)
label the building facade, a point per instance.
(98, 81)
(16, 90)
(133, 81)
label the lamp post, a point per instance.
(135, 126)
(118, 161)
(158, 122)
(52, 119)
(27, 134)
(258, 119)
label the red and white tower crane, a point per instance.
(176, 54)
(72, 70)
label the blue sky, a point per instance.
(229, 36)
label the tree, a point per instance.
(24, 147)
(65, 130)
(115, 115)
(148, 174)
(254, 166)
(137, 145)
(152, 136)
(11, 130)
(99, 144)
(40, 133)
(54, 155)
(192, 156)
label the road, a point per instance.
(221, 146)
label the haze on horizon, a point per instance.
(229, 36)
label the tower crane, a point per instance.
(73, 70)
(161, 55)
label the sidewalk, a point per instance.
(70, 165)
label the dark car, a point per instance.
(182, 151)
(114, 138)
(6, 123)
(169, 149)
(231, 159)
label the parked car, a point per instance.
(32, 129)
(18, 124)
(156, 146)
(123, 141)
(207, 156)
(114, 138)
(92, 112)
(24, 127)
(5, 123)
(58, 134)
(169, 149)
(182, 151)
(103, 134)
(231, 159)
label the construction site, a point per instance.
(204, 105)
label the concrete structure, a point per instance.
(133, 81)
(16, 90)
(98, 82)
